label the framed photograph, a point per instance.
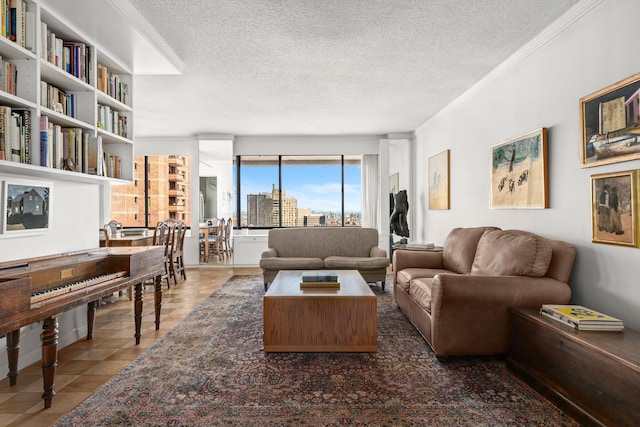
(519, 172)
(26, 205)
(610, 121)
(614, 208)
(439, 181)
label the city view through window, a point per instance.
(311, 192)
(160, 190)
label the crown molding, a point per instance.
(144, 28)
(548, 34)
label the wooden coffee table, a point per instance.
(335, 320)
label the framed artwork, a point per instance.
(439, 181)
(394, 183)
(26, 205)
(610, 121)
(519, 172)
(614, 208)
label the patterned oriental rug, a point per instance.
(211, 370)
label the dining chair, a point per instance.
(227, 237)
(163, 236)
(113, 227)
(104, 237)
(216, 240)
(178, 251)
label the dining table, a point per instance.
(123, 239)
(206, 230)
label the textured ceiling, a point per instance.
(324, 67)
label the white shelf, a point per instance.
(51, 173)
(34, 69)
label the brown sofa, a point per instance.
(459, 298)
(330, 248)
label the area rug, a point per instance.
(211, 370)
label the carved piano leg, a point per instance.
(49, 338)
(91, 318)
(158, 300)
(137, 311)
(13, 351)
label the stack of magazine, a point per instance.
(319, 279)
(581, 318)
(419, 245)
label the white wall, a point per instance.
(74, 227)
(589, 48)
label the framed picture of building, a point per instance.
(614, 208)
(519, 172)
(27, 206)
(439, 181)
(610, 122)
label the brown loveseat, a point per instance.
(459, 298)
(330, 248)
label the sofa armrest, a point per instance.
(377, 252)
(471, 311)
(403, 258)
(269, 253)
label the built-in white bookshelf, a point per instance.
(71, 86)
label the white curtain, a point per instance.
(370, 190)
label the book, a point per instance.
(581, 318)
(319, 276)
(322, 284)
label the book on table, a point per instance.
(319, 279)
(419, 245)
(581, 318)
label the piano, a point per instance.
(39, 289)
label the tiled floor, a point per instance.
(86, 365)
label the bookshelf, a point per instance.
(80, 89)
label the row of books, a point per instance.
(111, 120)
(63, 147)
(111, 84)
(18, 23)
(71, 56)
(57, 99)
(8, 76)
(15, 134)
(581, 318)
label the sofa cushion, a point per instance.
(356, 263)
(405, 276)
(281, 263)
(512, 253)
(459, 248)
(420, 291)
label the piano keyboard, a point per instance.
(74, 286)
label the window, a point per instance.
(298, 191)
(165, 193)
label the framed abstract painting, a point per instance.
(439, 181)
(519, 172)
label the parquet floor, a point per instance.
(85, 366)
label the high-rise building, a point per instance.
(259, 210)
(168, 192)
(263, 210)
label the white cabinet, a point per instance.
(247, 249)
(78, 99)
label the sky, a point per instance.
(315, 187)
